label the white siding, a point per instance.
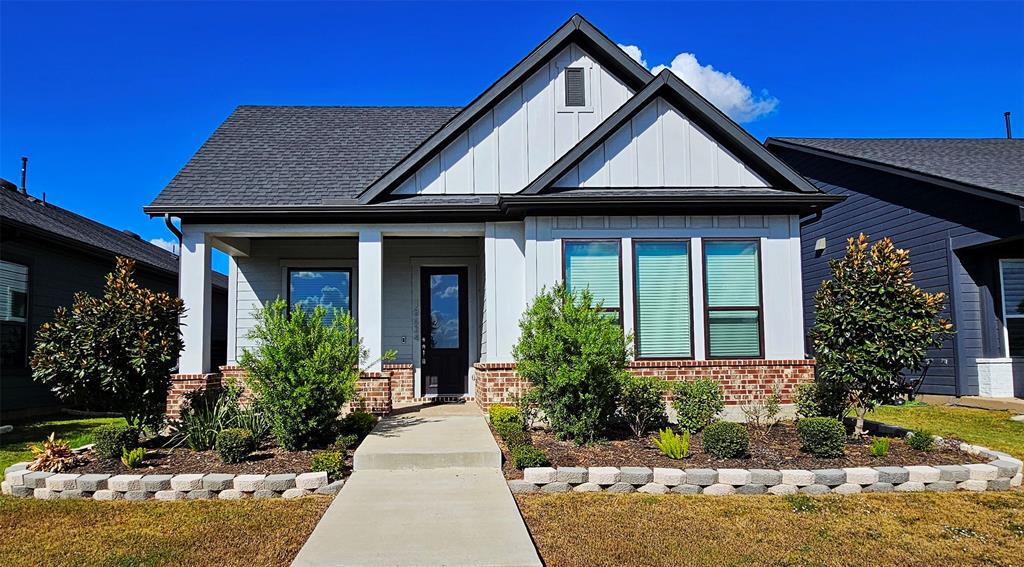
(505, 295)
(660, 147)
(523, 134)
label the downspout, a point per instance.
(171, 227)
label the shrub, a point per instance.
(871, 323)
(528, 404)
(880, 446)
(330, 462)
(823, 437)
(113, 352)
(516, 438)
(54, 455)
(806, 400)
(641, 404)
(575, 357)
(234, 444)
(133, 459)
(726, 440)
(763, 414)
(255, 420)
(204, 414)
(697, 403)
(304, 369)
(528, 456)
(500, 414)
(358, 423)
(345, 442)
(111, 439)
(921, 440)
(673, 445)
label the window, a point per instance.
(1011, 274)
(575, 87)
(732, 280)
(309, 287)
(13, 315)
(662, 298)
(594, 265)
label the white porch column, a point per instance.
(196, 290)
(369, 310)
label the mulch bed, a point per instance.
(779, 449)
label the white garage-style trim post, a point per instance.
(370, 311)
(195, 287)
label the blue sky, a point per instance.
(109, 100)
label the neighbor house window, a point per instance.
(662, 298)
(732, 280)
(1012, 278)
(594, 265)
(309, 287)
(13, 315)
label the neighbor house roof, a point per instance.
(25, 211)
(991, 166)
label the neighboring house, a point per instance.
(438, 226)
(958, 206)
(47, 254)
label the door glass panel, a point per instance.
(444, 311)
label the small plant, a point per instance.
(673, 445)
(801, 503)
(234, 444)
(54, 455)
(697, 403)
(502, 414)
(726, 440)
(253, 419)
(110, 439)
(526, 400)
(330, 462)
(921, 440)
(359, 423)
(205, 413)
(133, 459)
(763, 414)
(345, 442)
(641, 404)
(525, 456)
(516, 437)
(880, 446)
(806, 400)
(823, 437)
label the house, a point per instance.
(47, 255)
(437, 226)
(958, 206)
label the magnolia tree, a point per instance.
(871, 324)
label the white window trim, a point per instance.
(1002, 300)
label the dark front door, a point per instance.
(444, 348)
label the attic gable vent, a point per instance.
(575, 89)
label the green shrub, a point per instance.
(880, 446)
(358, 423)
(726, 440)
(697, 403)
(111, 440)
(234, 444)
(806, 401)
(115, 352)
(673, 445)
(528, 456)
(304, 368)
(204, 414)
(921, 440)
(500, 414)
(641, 403)
(823, 437)
(255, 420)
(345, 442)
(575, 357)
(506, 428)
(516, 437)
(330, 462)
(133, 459)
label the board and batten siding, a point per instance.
(523, 134)
(660, 147)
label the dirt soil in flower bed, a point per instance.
(779, 449)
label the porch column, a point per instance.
(195, 289)
(370, 311)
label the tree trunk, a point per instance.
(862, 410)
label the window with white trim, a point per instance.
(594, 265)
(1011, 276)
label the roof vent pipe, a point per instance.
(24, 169)
(1009, 132)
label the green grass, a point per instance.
(992, 429)
(14, 446)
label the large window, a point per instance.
(13, 315)
(732, 280)
(1012, 278)
(661, 269)
(309, 287)
(594, 265)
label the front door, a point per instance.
(444, 348)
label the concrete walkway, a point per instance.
(427, 490)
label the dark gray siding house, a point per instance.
(957, 205)
(47, 254)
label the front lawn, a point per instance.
(14, 446)
(85, 532)
(890, 529)
(992, 429)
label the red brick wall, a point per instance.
(742, 380)
(182, 384)
(373, 393)
(402, 377)
(238, 376)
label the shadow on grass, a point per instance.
(75, 430)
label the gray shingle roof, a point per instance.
(49, 218)
(299, 155)
(996, 164)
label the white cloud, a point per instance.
(722, 89)
(169, 245)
